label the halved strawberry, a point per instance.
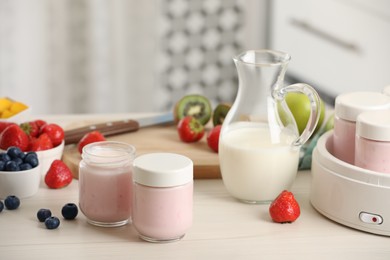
(91, 137)
(58, 175)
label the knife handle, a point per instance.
(107, 129)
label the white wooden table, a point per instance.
(223, 228)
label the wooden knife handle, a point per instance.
(107, 129)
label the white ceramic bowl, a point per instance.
(22, 184)
(46, 157)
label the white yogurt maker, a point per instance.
(348, 194)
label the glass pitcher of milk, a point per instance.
(259, 141)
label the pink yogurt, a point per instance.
(373, 141)
(344, 140)
(105, 183)
(163, 196)
(347, 108)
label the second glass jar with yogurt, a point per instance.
(163, 194)
(373, 141)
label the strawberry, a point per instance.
(58, 175)
(4, 125)
(30, 128)
(213, 138)
(13, 135)
(91, 137)
(55, 133)
(190, 129)
(284, 209)
(40, 123)
(40, 143)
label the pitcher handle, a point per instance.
(315, 111)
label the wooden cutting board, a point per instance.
(162, 138)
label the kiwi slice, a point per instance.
(197, 106)
(220, 113)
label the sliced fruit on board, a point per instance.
(197, 106)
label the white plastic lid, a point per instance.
(162, 170)
(374, 125)
(349, 105)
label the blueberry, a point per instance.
(32, 154)
(43, 214)
(22, 156)
(4, 157)
(18, 161)
(2, 165)
(25, 166)
(11, 166)
(1, 206)
(52, 222)
(69, 211)
(14, 152)
(12, 202)
(32, 159)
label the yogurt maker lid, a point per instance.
(346, 170)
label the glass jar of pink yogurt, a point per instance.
(163, 195)
(106, 183)
(373, 141)
(347, 108)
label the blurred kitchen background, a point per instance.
(107, 56)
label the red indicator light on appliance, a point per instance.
(370, 218)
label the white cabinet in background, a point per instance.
(336, 45)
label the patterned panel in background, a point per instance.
(108, 56)
(198, 41)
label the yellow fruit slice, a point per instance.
(9, 107)
(17, 107)
(6, 114)
(5, 104)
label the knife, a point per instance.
(73, 136)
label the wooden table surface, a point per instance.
(223, 228)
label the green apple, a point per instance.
(299, 105)
(329, 125)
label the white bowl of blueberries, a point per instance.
(20, 173)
